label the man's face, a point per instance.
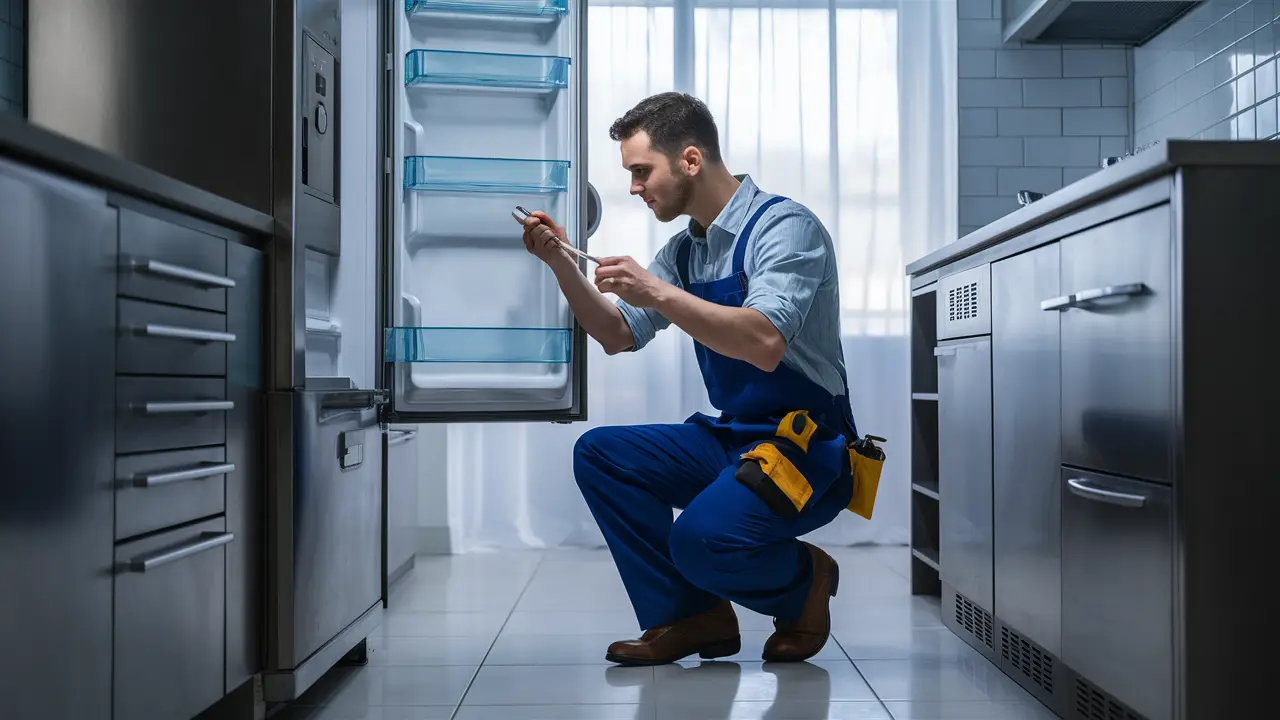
(664, 184)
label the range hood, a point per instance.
(1111, 22)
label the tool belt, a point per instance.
(777, 470)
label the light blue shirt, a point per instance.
(792, 280)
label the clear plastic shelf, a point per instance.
(485, 70)
(509, 8)
(485, 175)
(477, 345)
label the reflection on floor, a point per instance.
(521, 636)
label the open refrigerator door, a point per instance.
(486, 111)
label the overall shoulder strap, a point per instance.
(740, 245)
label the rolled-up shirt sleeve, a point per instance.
(787, 261)
(645, 323)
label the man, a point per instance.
(753, 281)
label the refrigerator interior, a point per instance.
(488, 107)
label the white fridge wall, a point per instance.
(460, 261)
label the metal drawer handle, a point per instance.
(199, 472)
(1084, 297)
(191, 276)
(207, 541)
(943, 351)
(180, 333)
(402, 436)
(1088, 492)
(192, 406)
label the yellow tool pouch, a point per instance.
(771, 475)
(866, 460)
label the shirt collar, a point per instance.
(735, 211)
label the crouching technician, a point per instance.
(753, 280)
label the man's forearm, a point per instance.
(600, 318)
(740, 333)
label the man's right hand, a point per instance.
(542, 237)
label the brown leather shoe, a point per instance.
(713, 634)
(800, 640)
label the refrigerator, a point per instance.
(402, 294)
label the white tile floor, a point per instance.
(522, 636)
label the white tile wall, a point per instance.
(1031, 117)
(12, 54)
(1212, 75)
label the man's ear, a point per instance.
(691, 160)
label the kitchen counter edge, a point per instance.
(1154, 162)
(47, 150)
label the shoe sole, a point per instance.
(724, 648)
(835, 587)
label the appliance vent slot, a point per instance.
(1091, 703)
(963, 302)
(976, 621)
(1027, 658)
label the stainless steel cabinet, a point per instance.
(57, 286)
(1117, 587)
(1025, 386)
(1117, 351)
(402, 499)
(169, 616)
(964, 468)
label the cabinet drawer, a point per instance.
(165, 340)
(170, 263)
(168, 413)
(170, 595)
(158, 490)
(1117, 352)
(1117, 588)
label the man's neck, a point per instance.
(715, 192)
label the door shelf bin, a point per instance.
(485, 70)
(485, 175)
(550, 9)
(478, 345)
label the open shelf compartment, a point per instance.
(547, 346)
(485, 175)
(501, 8)
(482, 70)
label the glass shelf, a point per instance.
(485, 70)
(510, 8)
(477, 345)
(485, 175)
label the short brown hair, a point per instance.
(673, 121)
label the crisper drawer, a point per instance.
(1117, 348)
(171, 263)
(170, 597)
(1117, 588)
(158, 490)
(165, 340)
(167, 413)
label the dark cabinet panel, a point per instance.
(57, 288)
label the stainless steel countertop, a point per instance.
(30, 144)
(1151, 163)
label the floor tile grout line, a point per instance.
(864, 677)
(458, 708)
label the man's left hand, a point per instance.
(624, 277)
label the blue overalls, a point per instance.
(727, 543)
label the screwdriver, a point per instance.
(521, 214)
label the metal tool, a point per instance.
(521, 214)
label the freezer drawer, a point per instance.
(159, 490)
(167, 413)
(964, 469)
(1117, 356)
(1117, 588)
(171, 263)
(169, 606)
(165, 340)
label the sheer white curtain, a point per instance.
(844, 105)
